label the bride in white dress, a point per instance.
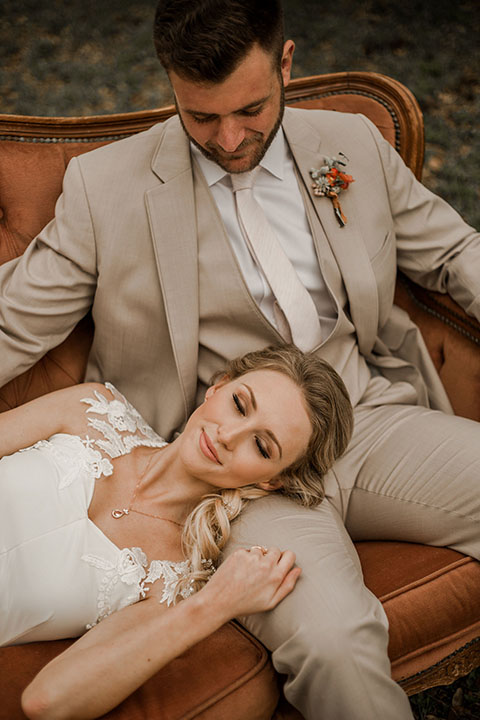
(98, 512)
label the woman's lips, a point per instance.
(206, 446)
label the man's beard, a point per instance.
(211, 152)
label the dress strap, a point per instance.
(122, 427)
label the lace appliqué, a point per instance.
(121, 417)
(81, 459)
(131, 569)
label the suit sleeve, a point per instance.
(435, 247)
(47, 290)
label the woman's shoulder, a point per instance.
(106, 400)
(114, 418)
(102, 413)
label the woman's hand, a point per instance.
(251, 581)
(119, 654)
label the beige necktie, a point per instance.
(295, 301)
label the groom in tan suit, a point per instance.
(146, 234)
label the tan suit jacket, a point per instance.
(124, 242)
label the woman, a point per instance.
(88, 511)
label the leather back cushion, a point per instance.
(31, 175)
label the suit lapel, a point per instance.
(171, 214)
(346, 242)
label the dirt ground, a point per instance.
(96, 56)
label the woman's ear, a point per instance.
(209, 392)
(213, 388)
(273, 484)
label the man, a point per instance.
(154, 234)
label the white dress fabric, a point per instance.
(59, 574)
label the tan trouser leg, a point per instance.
(417, 480)
(410, 474)
(330, 635)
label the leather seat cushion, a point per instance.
(431, 597)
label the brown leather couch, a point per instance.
(431, 595)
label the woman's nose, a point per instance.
(228, 434)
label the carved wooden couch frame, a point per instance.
(434, 632)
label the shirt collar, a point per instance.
(273, 161)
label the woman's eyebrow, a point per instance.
(270, 434)
(252, 396)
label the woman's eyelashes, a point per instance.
(239, 405)
(241, 408)
(263, 451)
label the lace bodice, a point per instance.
(120, 417)
(131, 569)
(68, 575)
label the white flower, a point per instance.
(131, 565)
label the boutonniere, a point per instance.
(330, 180)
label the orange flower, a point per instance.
(332, 176)
(329, 181)
(346, 179)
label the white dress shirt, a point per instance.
(276, 190)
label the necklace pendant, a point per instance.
(117, 514)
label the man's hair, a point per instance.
(205, 40)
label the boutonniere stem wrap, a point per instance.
(330, 180)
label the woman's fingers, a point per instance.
(262, 549)
(271, 553)
(286, 586)
(286, 559)
(284, 574)
(276, 574)
(253, 580)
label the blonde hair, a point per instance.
(207, 528)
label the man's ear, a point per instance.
(273, 484)
(286, 61)
(213, 388)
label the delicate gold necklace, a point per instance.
(118, 513)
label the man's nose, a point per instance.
(230, 134)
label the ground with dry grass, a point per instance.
(96, 56)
